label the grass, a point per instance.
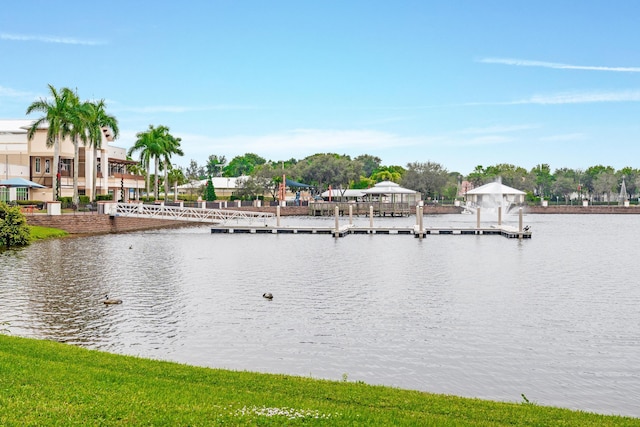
(37, 232)
(48, 383)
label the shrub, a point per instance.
(14, 230)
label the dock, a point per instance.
(345, 230)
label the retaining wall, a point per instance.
(101, 224)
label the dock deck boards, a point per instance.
(509, 232)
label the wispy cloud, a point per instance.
(50, 39)
(498, 129)
(582, 98)
(529, 63)
(13, 93)
(567, 98)
(563, 137)
(180, 108)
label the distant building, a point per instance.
(33, 160)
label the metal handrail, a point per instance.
(139, 210)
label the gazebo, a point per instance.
(389, 197)
(494, 195)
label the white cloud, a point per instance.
(563, 137)
(582, 98)
(151, 109)
(528, 63)
(13, 93)
(50, 39)
(498, 129)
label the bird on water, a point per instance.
(267, 295)
(108, 300)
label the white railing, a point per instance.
(140, 210)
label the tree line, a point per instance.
(83, 122)
(431, 179)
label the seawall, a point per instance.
(93, 223)
(576, 209)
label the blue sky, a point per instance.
(461, 83)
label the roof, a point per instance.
(336, 192)
(217, 181)
(495, 188)
(17, 126)
(388, 187)
(20, 182)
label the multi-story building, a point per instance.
(32, 159)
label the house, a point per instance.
(33, 160)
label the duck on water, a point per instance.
(108, 300)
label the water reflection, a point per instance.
(478, 316)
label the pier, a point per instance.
(337, 230)
(509, 232)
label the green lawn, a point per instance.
(38, 233)
(48, 383)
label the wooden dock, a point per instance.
(342, 231)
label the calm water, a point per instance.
(556, 317)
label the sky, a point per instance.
(460, 83)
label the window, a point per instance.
(47, 166)
(22, 193)
(37, 164)
(4, 195)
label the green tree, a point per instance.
(211, 192)
(14, 230)
(243, 165)
(98, 121)
(155, 143)
(171, 147)
(176, 177)
(543, 179)
(76, 118)
(215, 164)
(322, 170)
(428, 178)
(55, 118)
(369, 164)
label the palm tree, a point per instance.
(143, 144)
(171, 146)
(97, 120)
(55, 116)
(76, 119)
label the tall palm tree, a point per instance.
(97, 120)
(143, 145)
(171, 146)
(55, 117)
(76, 119)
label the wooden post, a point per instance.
(421, 228)
(370, 216)
(337, 230)
(499, 215)
(520, 223)
(478, 218)
(350, 215)
(278, 215)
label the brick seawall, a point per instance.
(94, 223)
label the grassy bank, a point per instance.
(47, 383)
(37, 232)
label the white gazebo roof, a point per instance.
(495, 188)
(343, 193)
(388, 187)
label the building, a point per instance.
(33, 160)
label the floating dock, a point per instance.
(505, 231)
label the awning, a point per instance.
(20, 182)
(291, 183)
